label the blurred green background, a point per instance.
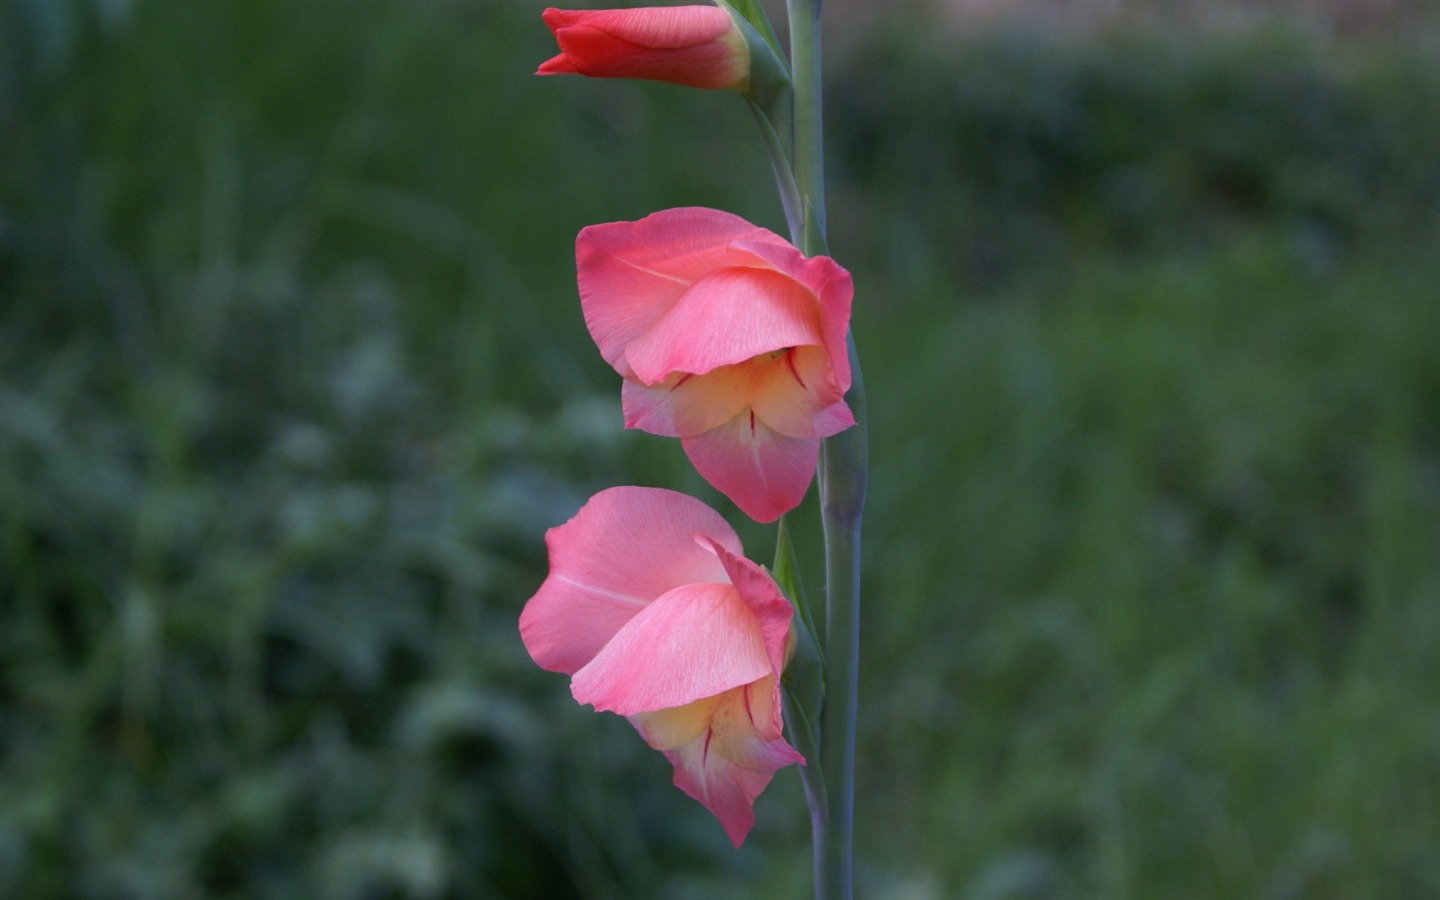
(293, 379)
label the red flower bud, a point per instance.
(696, 46)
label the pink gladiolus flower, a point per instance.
(656, 615)
(729, 339)
(697, 46)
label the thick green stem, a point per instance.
(808, 142)
(842, 499)
(830, 778)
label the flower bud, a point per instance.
(695, 46)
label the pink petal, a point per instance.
(666, 729)
(726, 317)
(764, 472)
(685, 405)
(796, 394)
(631, 272)
(694, 641)
(728, 765)
(624, 548)
(767, 603)
(558, 65)
(828, 281)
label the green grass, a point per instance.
(1170, 606)
(293, 378)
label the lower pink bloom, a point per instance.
(651, 608)
(728, 338)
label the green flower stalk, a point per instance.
(843, 468)
(800, 178)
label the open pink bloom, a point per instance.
(656, 615)
(728, 338)
(697, 46)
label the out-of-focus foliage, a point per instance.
(1135, 140)
(293, 378)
